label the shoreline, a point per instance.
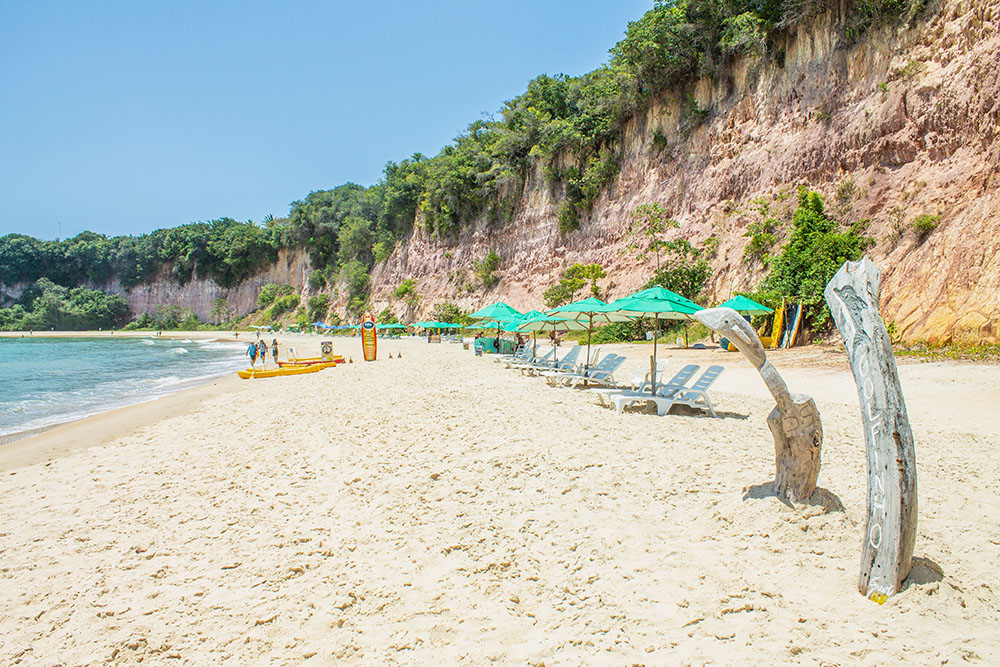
(50, 441)
(47, 443)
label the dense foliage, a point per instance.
(568, 126)
(46, 305)
(224, 250)
(815, 250)
(574, 279)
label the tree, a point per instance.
(573, 280)
(446, 311)
(318, 306)
(407, 291)
(220, 311)
(684, 269)
(646, 229)
(317, 280)
(813, 254)
(485, 269)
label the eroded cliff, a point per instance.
(902, 124)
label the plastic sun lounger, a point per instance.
(567, 363)
(603, 373)
(531, 361)
(663, 389)
(695, 396)
(522, 353)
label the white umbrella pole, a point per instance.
(590, 327)
(652, 369)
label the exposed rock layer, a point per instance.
(909, 115)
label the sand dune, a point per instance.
(436, 509)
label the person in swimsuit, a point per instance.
(274, 350)
(252, 353)
(262, 351)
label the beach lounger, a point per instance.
(543, 359)
(603, 372)
(640, 393)
(522, 353)
(695, 396)
(568, 362)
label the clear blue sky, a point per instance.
(123, 117)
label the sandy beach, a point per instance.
(437, 509)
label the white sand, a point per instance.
(436, 509)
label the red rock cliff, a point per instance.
(909, 116)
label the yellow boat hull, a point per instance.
(284, 370)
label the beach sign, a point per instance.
(891, 526)
(326, 350)
(369, 344)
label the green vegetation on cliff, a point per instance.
(568, 126)
(46, 305)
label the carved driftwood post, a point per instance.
(892, 467)
(794, 422)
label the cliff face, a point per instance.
(198, 295)
(903, 124)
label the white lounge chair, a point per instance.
(695, 396)
(603, 372)
(568, 362)
(518, 364)
(642, 392)
(522, 353)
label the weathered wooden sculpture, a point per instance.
(892, 468)
(794, 422)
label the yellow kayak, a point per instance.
(284, 370)
(308, 361)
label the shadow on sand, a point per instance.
(923, 571)
(821, 497)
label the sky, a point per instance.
(124, 117)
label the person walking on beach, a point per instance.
(274, 350)
(262, 351)
(252, 353)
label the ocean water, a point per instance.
(45, 381)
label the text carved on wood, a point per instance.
(891, 527)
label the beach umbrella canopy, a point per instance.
(536, 321)
(499, 311)
(588, 310)
(660, 303)
(746, 306)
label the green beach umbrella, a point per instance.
(657, 302)
(500, 312)
(588, 310)
(746, 306)
(536, 321)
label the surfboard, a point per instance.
(779, 322)
(369, 344)
(795, 328)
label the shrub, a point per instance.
(924, 224)
(485, 270)
(355, 275)
(317, 307)
(283, 305)
(573, 280)
(814, 252)
(271, 291)
(317, 280)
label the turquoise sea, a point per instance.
(45, 381)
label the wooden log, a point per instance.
(794, 422)
(891, 527)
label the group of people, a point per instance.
(259, 349)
